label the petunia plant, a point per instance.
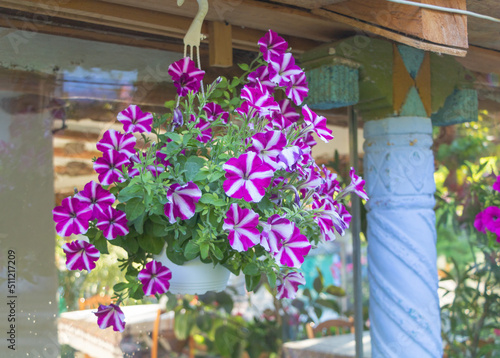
(227, 176)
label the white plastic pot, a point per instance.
(195, 277)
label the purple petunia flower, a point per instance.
(247, 177)
(283, 68)
(178, 119)
(122, 143)
(479, 222)
(293, 250)
(242, 226)
(214, 112)
(135, 120)
(186, 76)
(261, 75)
(288, 111)
(155, 278)
(268, 146)
(109, 166)
(259, 98)
(491, 218)
(182, 201)
(357, 186)
(330, 185)
(317, 124)
(96, 197)
(296, 88)
(290, 285)
(110, 316)
(496, 184)
(112, 223)
(80, 255)
(204, 127)
(276, 230)
(72, 217)
(289, 157)
(328, 219)
(271, 45)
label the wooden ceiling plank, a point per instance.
(391, 35)
(220, 46)
(431, 25)
(308, 4)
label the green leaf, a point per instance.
(318, 282)
(171, 301)
(251, 269)
(265, 204)
(329, 304)
(129, 192)
(204, 247)
(224, 301)
(243, 66)
(191, 251)
(175, 138)
(183, 323)
(217, 252)
(192, 167)
(318, 312)
(151, 244)
(271, 278)
(134, 208)
(251, 282)
(101, 243)
(170, 104)
(211, 199)
(120, 287)
(335, 291)
(227, 338)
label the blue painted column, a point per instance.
(399, 172)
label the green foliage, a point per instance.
(464, 178)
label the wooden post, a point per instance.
(220, 44)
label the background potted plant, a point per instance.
(227, 178)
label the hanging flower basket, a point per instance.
(225, 177)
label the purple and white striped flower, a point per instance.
(289, 157)
(109, 166)
(155, 278)
(288, 111)
(311, 180)
(261, 75)
(80, 255)
(272, 45)
(296, 88)
(72, 217)
(290, 285)
(317, 124)
(135, 120)
(214, 111)
(258, 97)
(293, 250)
(122, 143)
(204, 127)
(182, 201)
(276, 230)
(268, 146)
(247, 177)
(110, 316)
(96, 197)
(357, 185)
(330, 185)
(112, 223)
(242, 227)
(186, 76)
(178, 118)
(283, 68)
(328, 219)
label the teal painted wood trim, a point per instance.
(332, 86)
(460, 107)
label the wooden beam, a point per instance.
(308, 4)
(438, 27)
(147, 21)
(220, 47)
(481, 60)
(391, 35)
